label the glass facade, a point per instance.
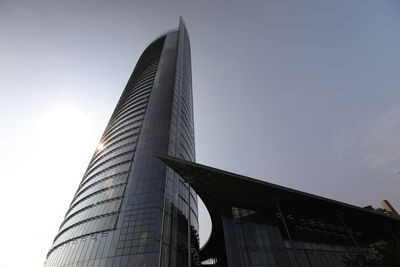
(130, 209)
(257, 224)
(255, 239)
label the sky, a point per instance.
(301, 93)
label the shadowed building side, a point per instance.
(130, 209)
(255, 223)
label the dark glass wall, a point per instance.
(255, 223)
(256, 239)
(129, 206)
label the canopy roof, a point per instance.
(220, 189)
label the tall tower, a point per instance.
(130, 209)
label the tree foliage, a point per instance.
(378, 254)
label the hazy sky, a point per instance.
(305, 94)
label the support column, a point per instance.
(288, 232)
(162, 229)
(348, 231)
(284, 221)
(189, 227)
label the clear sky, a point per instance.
(304, 94)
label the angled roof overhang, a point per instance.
(219, 189)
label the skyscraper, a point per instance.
(130, 209)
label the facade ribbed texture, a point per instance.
(130, 209)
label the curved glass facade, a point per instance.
(130, 209)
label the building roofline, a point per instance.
(169, 159)
(220, 190)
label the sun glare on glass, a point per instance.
(100, 146)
